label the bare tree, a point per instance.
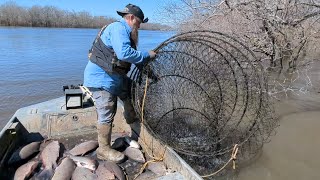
(36, 16)
(11, 14)
(280, 32)
(187, 13)
(280, 29)
(48, 16)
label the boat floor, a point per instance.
(71, 127)
(130, 167)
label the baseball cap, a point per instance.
(135, 10)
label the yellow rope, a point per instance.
(232, 158)
(154, 159)
(143, 100)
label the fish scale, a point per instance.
(113, 168)
(83, 148)
(24, 171)
(81, 173)
(24, 153)
(49, 158)
(85, 162)
(64, 170)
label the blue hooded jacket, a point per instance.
(117, 37)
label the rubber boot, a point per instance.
(135, 130)
(105, 152)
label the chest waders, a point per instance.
(106, 58)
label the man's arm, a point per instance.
(122, 47)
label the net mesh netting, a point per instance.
(206, 93)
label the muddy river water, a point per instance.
(293, 152)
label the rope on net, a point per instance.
(207, 93)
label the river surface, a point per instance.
(293, 150)
(36, 62)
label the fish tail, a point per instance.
(46, 174)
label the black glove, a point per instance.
(150, 73)
(147, 70)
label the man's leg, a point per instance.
(106, 106)
(131, 118)
(129, 112)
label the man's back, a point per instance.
(117, 37)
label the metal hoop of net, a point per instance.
(206, 93)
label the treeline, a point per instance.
(12, 14)
(284, 35)
(278, 31)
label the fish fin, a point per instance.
(66, 154)
(46, 139)
(46, 174)
(54, 166)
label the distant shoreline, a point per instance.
(53, 17)
(76, 28)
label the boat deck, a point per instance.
(70, 127)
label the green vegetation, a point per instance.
(12, 14)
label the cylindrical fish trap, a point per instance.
(206, 93)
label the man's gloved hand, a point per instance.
(152, 75)
(147, 71)
(152, 54)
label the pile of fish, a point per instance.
(49, 160)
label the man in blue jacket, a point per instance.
(111, 56)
